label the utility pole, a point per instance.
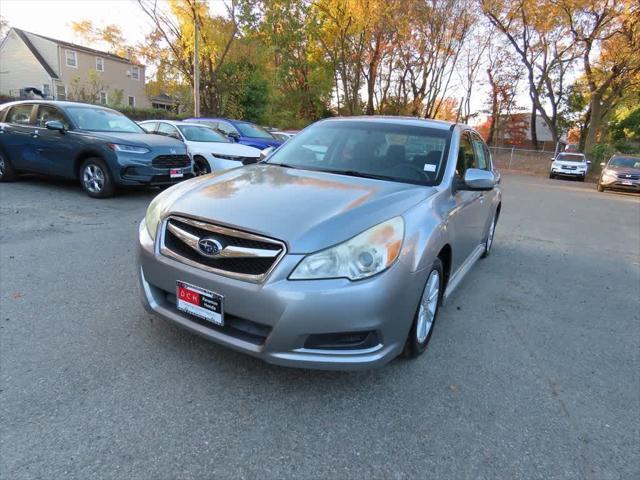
(196, 71)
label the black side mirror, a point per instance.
(55, 125)
(233, 136)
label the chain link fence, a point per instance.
(520, 160)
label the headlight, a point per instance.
(127, 148)
(227, 157)
(160, 205)
(366, 254)
(152, 218)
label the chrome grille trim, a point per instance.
(227, 252)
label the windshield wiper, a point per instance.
(354, 173)
(284, 165)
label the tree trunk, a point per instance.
(534, 129)
(595, 108)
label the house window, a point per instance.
(135, 72)
(61, 92)
(72, 58)
(132, 101)
(103, 98)
(46, 90)
(99, 64)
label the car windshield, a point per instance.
(571, 157)
(201, 134)
(102, 120)
(385, 151)
(250, 130)
(627, 162)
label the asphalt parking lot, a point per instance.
(533, 371)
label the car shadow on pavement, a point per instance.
(72, 187)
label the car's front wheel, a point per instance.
(200, 166)
(600, 187)
(426, 314)
(7, 173)
(552, 176)
(95, 178)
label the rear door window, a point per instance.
(20, 115)
(482, 160)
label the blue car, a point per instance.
(240, 131)
(99, 146)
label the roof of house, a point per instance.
(73, 46)
(35, 53)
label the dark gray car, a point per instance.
(620, 172)
(335, 252)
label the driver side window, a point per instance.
(47, 113)
(466, 158)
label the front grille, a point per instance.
(236, 327)
(628, 176)
(241, 255)
(171, 161)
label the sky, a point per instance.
(53, 18)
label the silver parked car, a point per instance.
(335, 252)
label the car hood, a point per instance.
(139, 140)
(308, 210)
(224, 149)
(569, 163)
(623, 170)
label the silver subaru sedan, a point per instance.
(335, 252)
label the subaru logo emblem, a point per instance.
(209, 247)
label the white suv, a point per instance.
(569, 165)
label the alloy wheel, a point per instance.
(2, 167)
(428, 306)
(93, 178)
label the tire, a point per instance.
(426, 313)
(552, 176)
(200, 166)
(96, 179)
(7, 172)
(488, 243)
(600, 187)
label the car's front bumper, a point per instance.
(132, 169)
(568, 173)
(620, 183)
(277, 317)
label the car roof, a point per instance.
(57, 103)
(398, 120)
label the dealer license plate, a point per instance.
(176, 173)
(199, 302)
